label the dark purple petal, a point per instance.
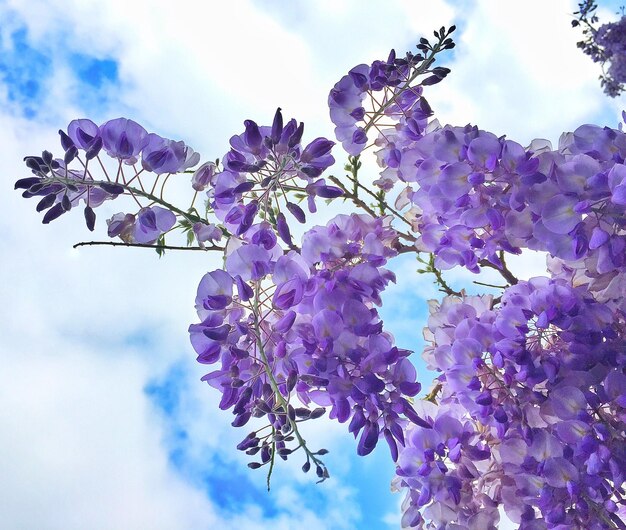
(409, 389)
(283, 228)
(410, 413)
(393, 447)
(277, 127)
(46, 202)
(27, 182)
(296, 211)
(56, 211)
(316, 149)
(112, 188)
(368, 439)
(90, 218)
(252, 137)
(296, 137)
(94, 149)
(358, 422)
(66, 141)
(370, 384)
(219, 333)
(283, 325)
(243, 289)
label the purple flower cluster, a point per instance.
(447, 472)
(458, 179)
(123, 140)
(532, 408)
(612, 39)
(264, 166)
(605, 45)
(528, 413)
(145, 228)
(304, 325)
(62, 189)
(127, 141)
(401, 99)
(474, 194)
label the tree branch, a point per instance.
(142, 245)
(504, 271)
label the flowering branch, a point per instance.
(322, 471)
(132, 191)
(605, 45)
(527, 413)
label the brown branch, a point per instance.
(504, 271)
(141, 245)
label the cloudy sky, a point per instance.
(104, 423)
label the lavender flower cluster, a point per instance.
(605, 44)
(265, 167)
(399, 81)
(528, 412)
(472, 195)
(304, 325)
(126, 142)
(530, 415)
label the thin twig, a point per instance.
(142, 245)
(444, 287)
(504, 271)
(490, 285)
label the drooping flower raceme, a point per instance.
(531, 412)
(472, 195)
(305, 325)
(605, 44)
(400, 85)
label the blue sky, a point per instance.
(106, 424)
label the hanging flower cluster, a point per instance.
(605, 44)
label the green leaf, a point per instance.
(160, 243)
(272, 215)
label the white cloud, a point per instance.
(81, 448)
(517, 71)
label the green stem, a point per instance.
(490, 285)
(419, 70)
(135, 191)
(272, 459)
(383, 203)
(277, 393)
(444, 287)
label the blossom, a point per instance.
(123, 139)
(161, 155)
(400, 99)
(534, 372)
(322, 329)
(264, 165)
(62, 187)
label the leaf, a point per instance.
(160, 243)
